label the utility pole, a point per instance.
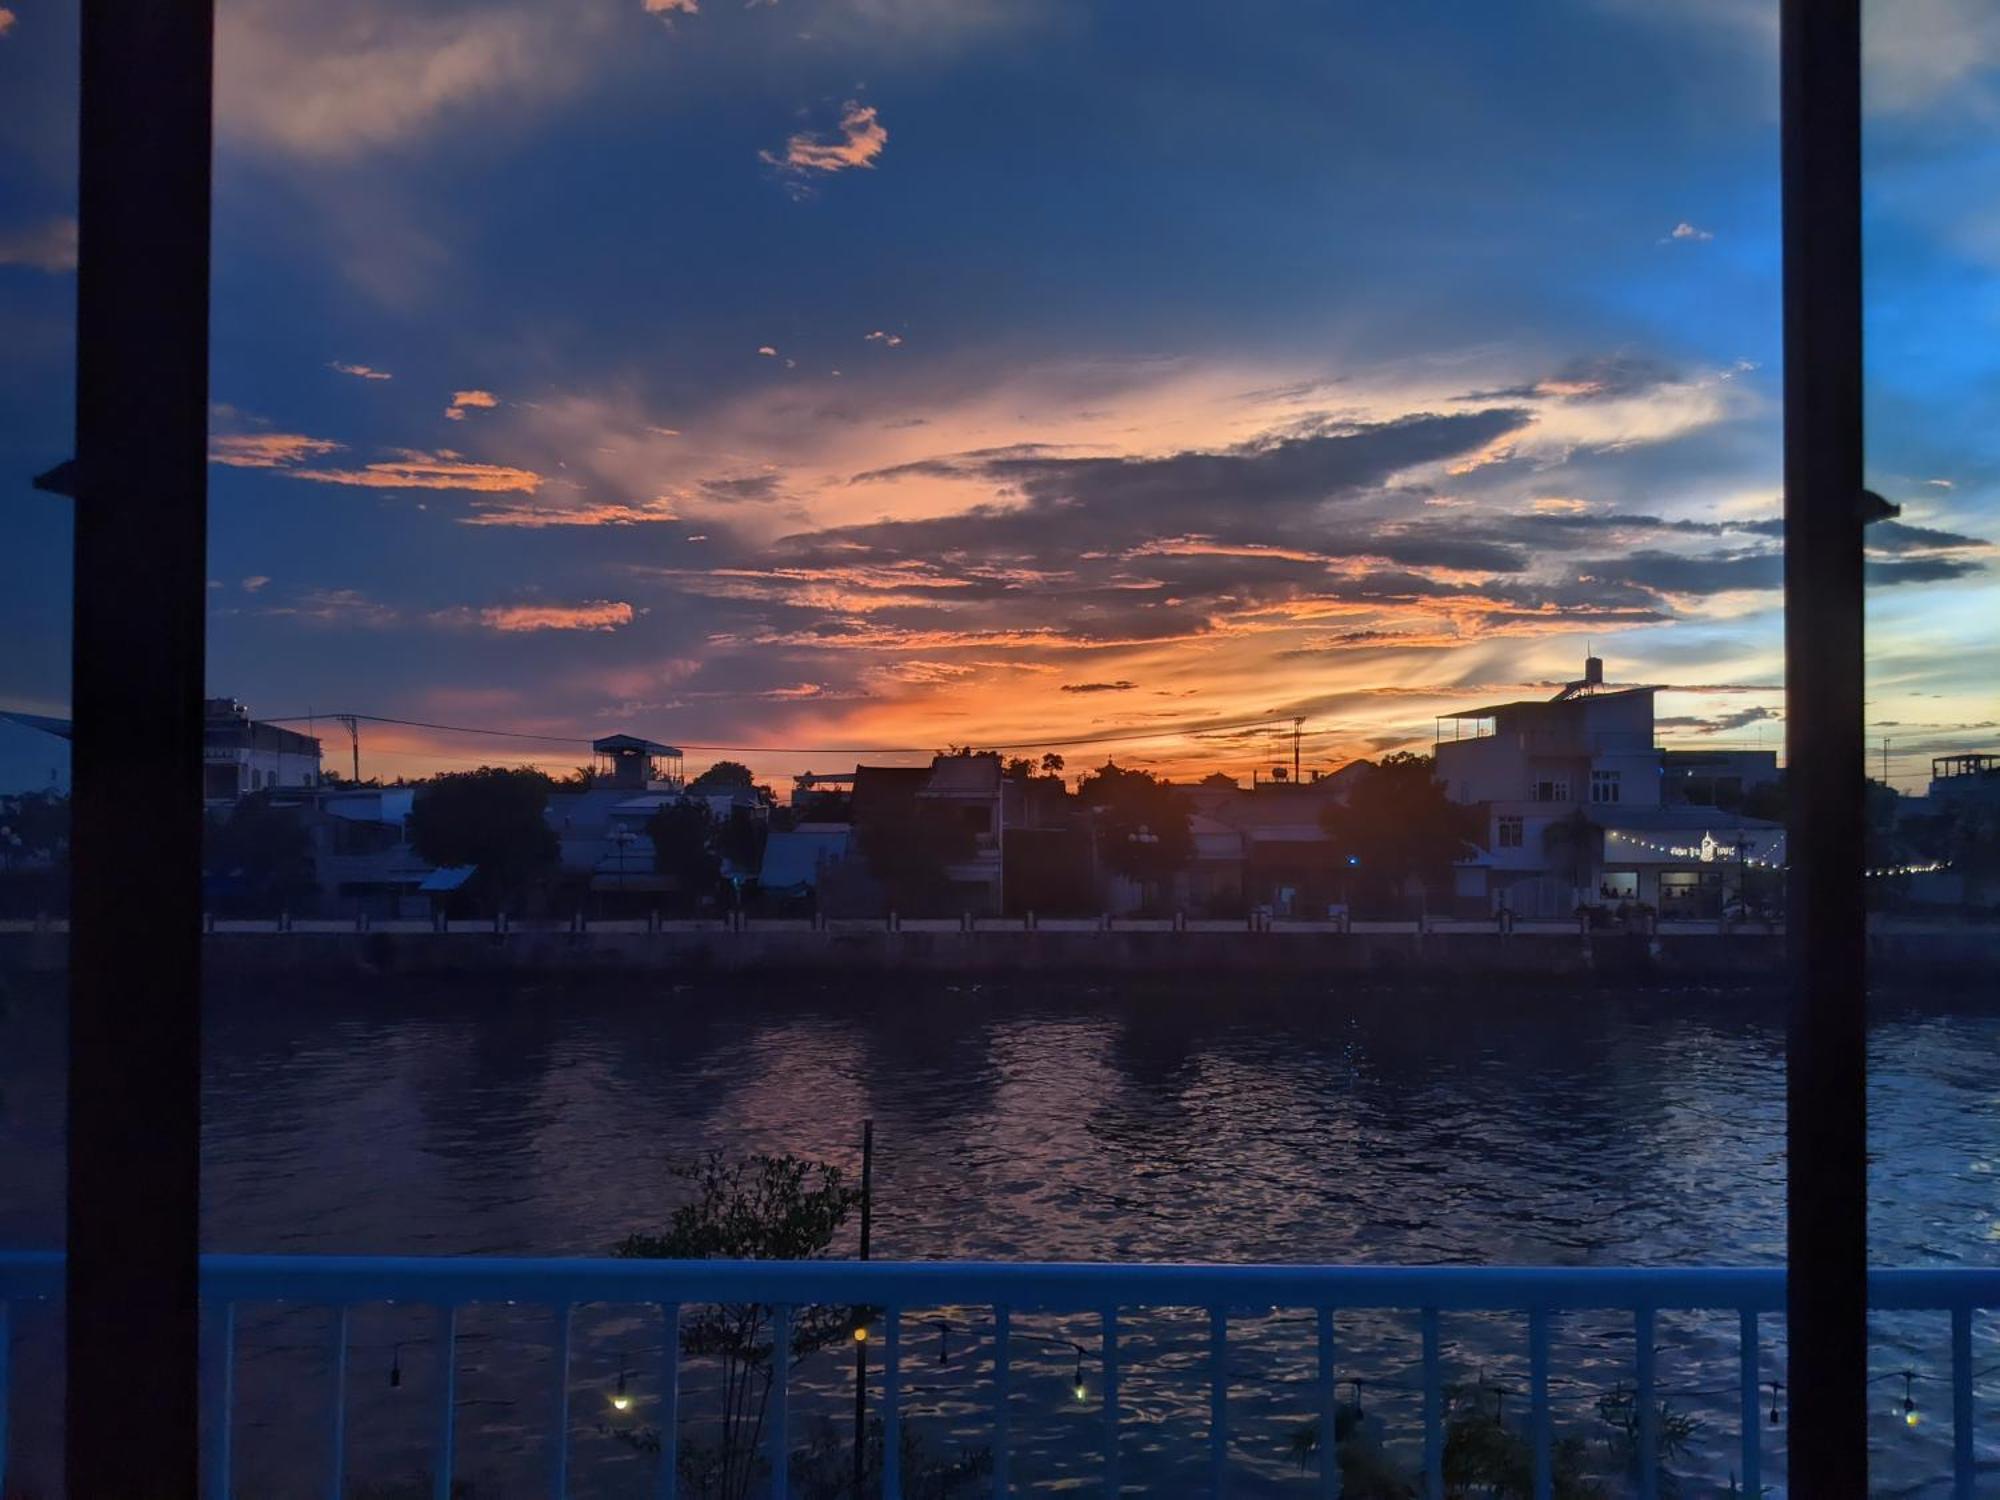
(861, 1343)
(1297, 724)
(1885, 760)
(353, 724)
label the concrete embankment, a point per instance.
(1160, 949)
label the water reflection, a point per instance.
(1313, 1124)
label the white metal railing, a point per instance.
(1538, 1295)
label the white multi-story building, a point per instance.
(240, 755)
(1572, 793)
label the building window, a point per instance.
(1509, 835)
(1604, 786)
(1550, 791)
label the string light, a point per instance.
(1694, 852)
(1082, 1390)
(1910, 1416)
(1775, 1386)
(1719, 854)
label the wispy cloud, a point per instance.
(1687, 231)
(672, 7)
(337, 607)
(465, 401)
(541, 517)
(267, 450)
(49, 246)
(302, 78)
(859, 141)
(596, 614)
(885, 339)
(255, 583)
(360, 372)
(411, 469)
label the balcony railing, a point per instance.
(1535, 1297)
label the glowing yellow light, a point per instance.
(1911, 1418)
(621, 1402)
(1081, 1392)
(861, 1334)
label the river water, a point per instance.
(1233, 1122)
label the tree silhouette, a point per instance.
(1397, 824)
(493, 818)
(1140, 824)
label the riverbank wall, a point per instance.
(1461, 950)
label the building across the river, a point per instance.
(1580, 809)
(241, 755)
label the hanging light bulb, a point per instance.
(1911, 1417)
(860, 1333)
(1082, 1390)
(396, 1367)
(621, 1399)
(1775, 1388)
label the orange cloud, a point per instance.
(267, 450)
(360, 372)
(669, 7)
(6, 20)
(443, 470)
(597, 614)
(464, 401)
(862, 137)
(538, 517)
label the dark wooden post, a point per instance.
(1826, 1182)
(135, 935)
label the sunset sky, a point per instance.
(842, 378)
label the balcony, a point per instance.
(1533, 1305)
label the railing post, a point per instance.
(780, 1408)
(1003, 1417)
(447, 1400)
(1329, 1411)
(336, 1437)
(1751, 1414)
(892, 1404)
(1962, 1470)
(221, 1401)
(1111, 1482)
(1433, 1410)
(1538, 1402)
(667, 1483)
(6, 1365)
(1218, 1402)
(1648, 1403)
(559, 1416)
